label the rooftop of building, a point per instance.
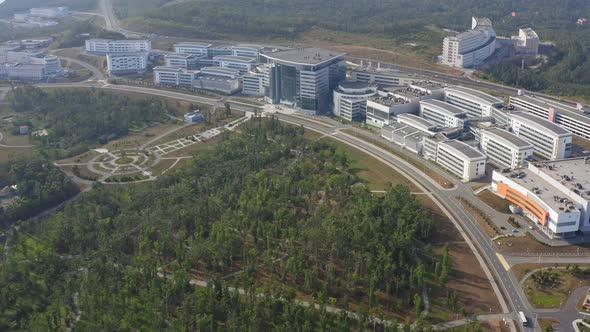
(530, 33)
(174, 69)
(180, 56)
(248, 46)
(508, 137)
(418, 121)
(581, 115)
(451, 109)
(529, 119)
(127, 54)
(117, 40)
(482, 21)
(540, 187)
(427, 85)
(572, 173)
(384, 71)
(219, 70)
(411, 92)
(475, 94)
(192, 44)
(234, 58)
(464, 149)
(304, 56)
(388, 100)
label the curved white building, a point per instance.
(550, 140)
(505, 149)
(417, 122)
(350, 100)
(471, 48)
(442, 114)
(474, 102)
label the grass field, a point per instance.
(494, 201)
(529, 244)
(549, 297)
(546, 324)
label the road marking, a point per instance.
(503, 261)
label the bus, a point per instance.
(523, 318)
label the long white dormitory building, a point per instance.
(110, 46)
(458, 158)
(474, 102)
(549, 140)
(127, 63)
(505, 149)
(576, 120)
(442, 114)
(175, 76)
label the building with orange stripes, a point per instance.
(553, 194)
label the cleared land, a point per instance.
(520, 270)
(529, 244)
(554, 295)
(497, 203)
(547, 324)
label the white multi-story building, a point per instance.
(505, 149)
(110, 46)
(246, 50)
(475, 103)
(256, 82)
(51, 63)
(383, 108)
(28, 64)
(49, 12)
(192, 48)
(554, 194)
(527, 42)
(442, 114)
(576, 120)
(20, 71)
(175, 76)
(240, 63)
(127, 63)
(471, 48)
(460, 159)
(218, 79)
(350, 100)
(550, 140)
(186, 61)
(383, 78)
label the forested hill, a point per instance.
(290, 18)
(266, 211)
(11, 6)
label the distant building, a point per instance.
(383, 108)
(505, 149)
(186, 61)
(527, 42)
(192, 48)
(350, 100)
(24, 72)
(443, 114)
(218, 79)
(554, 194)
(240, 63)
(460, 159)
(246, 50)
(257, 81)
(50, 12)
(475, 103)
(383, 78)
(305, 77)
(23, 130)
(574, 119)
(174, 76)
(110, 46)
(549, 140)
(192, 117)
(471, 48)
(127, 63)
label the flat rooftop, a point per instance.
(353, 84)
(192, 44)
(234, 58)
(475, 94)
(411, 118)
(388, 100)
(572, 173)
(442, 105)
(547, 125)
(544, 190)
(559, 107)
(464, 149)
(510, 137)
(428, 85)
(384, 72)
(530, 33)
(304, 56)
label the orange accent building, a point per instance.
(523, 202)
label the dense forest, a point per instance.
(39, 186)
(566, 71)
(77, 120)
(265, 212)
